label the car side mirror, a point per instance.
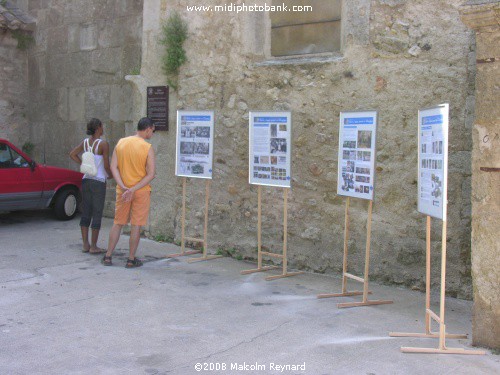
(32, 165)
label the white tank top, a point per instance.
(99, 162)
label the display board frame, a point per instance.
(433, 127)
(266, 150)
(355, 172)
(195, 124)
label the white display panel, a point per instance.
(194, 147)
(433, 161)
(356, 159)
(270, 148)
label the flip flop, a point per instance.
(100, 251)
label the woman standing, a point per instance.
(93, 187)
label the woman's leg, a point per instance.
(99, 196)
(86, 212)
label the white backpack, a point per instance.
(89, 166)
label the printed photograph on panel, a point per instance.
(203, 131)
(187, 148)
(364, 139)
(278, 145)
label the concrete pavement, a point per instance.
(62, 312)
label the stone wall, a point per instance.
(83, 51)
(13, 90)
(484, 18)
(397, 56)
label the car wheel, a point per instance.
(66, 205)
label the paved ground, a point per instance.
(62, 312)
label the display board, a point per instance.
(194, 148)
(356, 159)
(270, 148)
(433, 160)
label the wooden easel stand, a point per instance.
(429, 314)
(346, 275)
(184, 238)
(261, 253)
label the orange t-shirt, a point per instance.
(132, 155)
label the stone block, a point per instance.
(55, 15)
(57, 40)
(104, 9)
(121, 103)
(57, 68)
(73, 38)
(107, 60)
(62, 104)
(131, 58)
(78, 72)
(77, 11)
(97, 102)
(88, 37)
(128, 7)
(36, 68)
(76, 104)
(355, 22)
(111, 33)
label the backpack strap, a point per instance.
(98, 141)
(86, 145)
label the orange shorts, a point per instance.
(135, 211)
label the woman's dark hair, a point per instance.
(93, 125)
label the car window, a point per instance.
(9, 158)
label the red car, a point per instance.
(26, 185)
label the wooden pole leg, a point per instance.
(443, 351)
(346, 275)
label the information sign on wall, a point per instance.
(157, 106)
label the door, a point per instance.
(21, 184)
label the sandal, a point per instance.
(106, 261)
(133, 263)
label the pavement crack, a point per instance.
(247, 341)
(203, 359)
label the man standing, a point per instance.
(133, 167)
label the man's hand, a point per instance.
(127, 195)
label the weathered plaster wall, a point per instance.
(13, 90)
(83, 51)
(485, 20)
(398, 56)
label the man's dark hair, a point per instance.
(145, 123)
(93, 125)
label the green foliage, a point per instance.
(28, 148)
(24, 39)
(163, 238)
(174, 33)
(135, 71)
(239, 257)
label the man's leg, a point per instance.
(135, 237)
(114, 236)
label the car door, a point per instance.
(21, 183)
